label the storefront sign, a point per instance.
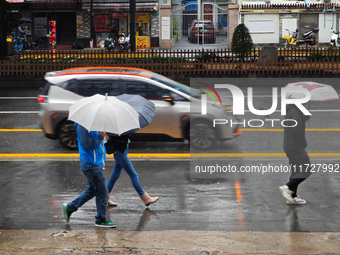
(142, 18)
(79, 19)
(166, 28)
(15, 1)
(53, 32)
(143, 42)
(53, 1)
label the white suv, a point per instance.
(176, 117)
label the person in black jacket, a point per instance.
(119, 145)
(294, 146)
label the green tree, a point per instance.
(241, 43)
(5, 27)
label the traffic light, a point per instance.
(53, 32)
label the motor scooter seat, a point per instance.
(307, 33)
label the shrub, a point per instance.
(241, 43)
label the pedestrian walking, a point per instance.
(92, 161)
(119, 145)
(21, 30)
(295, 148)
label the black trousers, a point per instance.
(300, 169)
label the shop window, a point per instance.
(143, 24)
(102, 23)
(40, 26)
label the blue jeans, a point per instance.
(96, 188)
(122, 161)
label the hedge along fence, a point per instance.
(312, 61)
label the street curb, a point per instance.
(111, 241)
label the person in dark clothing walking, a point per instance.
(21, 30)
(294, 146)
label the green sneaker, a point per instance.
(67, 211)
(105, 224)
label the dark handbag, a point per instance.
(116, 143)
(110, 146)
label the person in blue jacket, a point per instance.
(92, 161)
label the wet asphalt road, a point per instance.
(32, 193)
(33, 190)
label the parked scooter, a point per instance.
(110, 43)
(308, 38)
(335, 39)
(124, 42)
(21, 42)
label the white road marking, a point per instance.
(18, 98)
(20, 112)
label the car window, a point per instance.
(45, 89)
(177, 97)
(88, 88)
(205, 24)
(176, 85)
(145, 90)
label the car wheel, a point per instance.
(202, 135)
(68, 135)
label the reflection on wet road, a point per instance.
(33, 188)
(33, 192)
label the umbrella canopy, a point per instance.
(104, 113)
(142, 106)
(28, 20)
(319, 91)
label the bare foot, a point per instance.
(110, 203)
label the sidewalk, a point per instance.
(110, 241)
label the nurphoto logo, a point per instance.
(288, 96)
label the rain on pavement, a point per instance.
(33, 188)
(33, 192)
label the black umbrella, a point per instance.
(28, 20)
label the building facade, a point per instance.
(269, 23)
(73, 19)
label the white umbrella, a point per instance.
(104, 113)
(319, 91)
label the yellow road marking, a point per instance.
(281, 130)
(261, 130)
(243, 129)
(61, 155)
(21, 130)
(326, 154)
(37, 155)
